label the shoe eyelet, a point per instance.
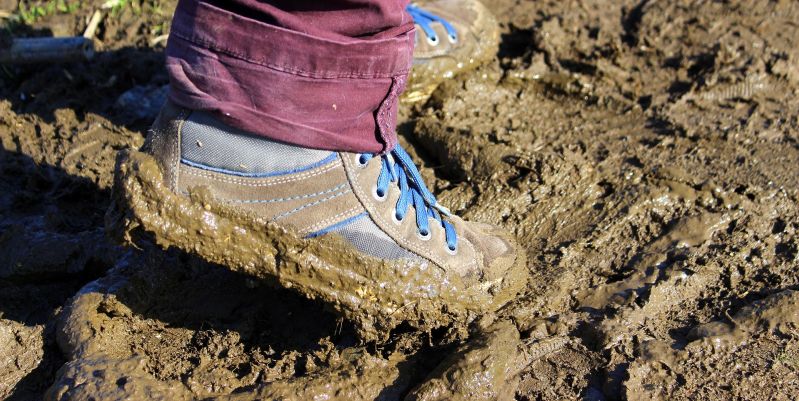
(424, 237)
(433, 40)
(451, 251)
(396, 219)
(452, 39)
(361, 162)
(377, 195)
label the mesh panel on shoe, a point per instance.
(366, 237)
(207, 141)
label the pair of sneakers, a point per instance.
(361, 232)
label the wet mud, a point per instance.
(645, 154)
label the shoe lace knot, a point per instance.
(398, 168)
(425, 19)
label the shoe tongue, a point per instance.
(414, 176)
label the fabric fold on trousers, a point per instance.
(326, 93)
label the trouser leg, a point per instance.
(322, 74)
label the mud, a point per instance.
(759, 339)
(645, 153)
(486, 368)
(122, 335)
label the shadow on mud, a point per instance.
(49, 247)
(53, 243)
(176, 290)
(123, 85)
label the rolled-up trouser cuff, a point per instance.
(287, 85)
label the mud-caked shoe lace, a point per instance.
(360, 231)
(452, 36)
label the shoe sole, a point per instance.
(374, 294)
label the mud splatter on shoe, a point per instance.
(359, 231)
(452, 36)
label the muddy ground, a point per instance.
(646, 153)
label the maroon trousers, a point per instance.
(324, 74)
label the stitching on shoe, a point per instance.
(326, 222)
(291, 198)
(331, 158)
(353, 174)
(320, 201)
(385, 227)
(267, 183)
(394, 234)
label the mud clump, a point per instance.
(355, 376)
(173, 321)
(22, 350)
(484, 369)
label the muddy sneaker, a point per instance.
(452, 36)
(359, 231)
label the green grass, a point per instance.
(29, 12)
(789, 359)
(117, 6)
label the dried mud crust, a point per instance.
(376, 295)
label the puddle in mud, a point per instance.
(645, 155)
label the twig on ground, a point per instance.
(158, 39)
(91, 28)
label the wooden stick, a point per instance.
(47, 50)
(91, 28)
(159, 39)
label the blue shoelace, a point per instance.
(412, 191)
(425, 18)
